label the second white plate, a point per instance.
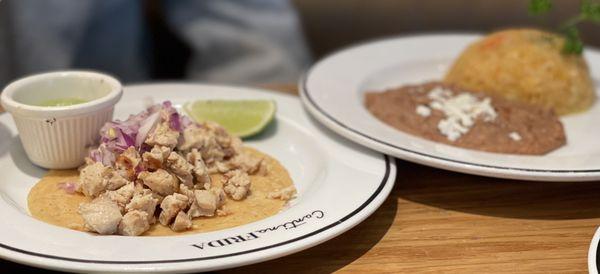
(333, 91)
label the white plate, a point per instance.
(333, 90)
(593, 253)
(339, 185)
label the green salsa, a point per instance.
(62, 102)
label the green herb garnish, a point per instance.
(573, 43)
(589, 11)
(537, 7)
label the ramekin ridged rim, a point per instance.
(21, 109)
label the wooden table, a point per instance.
(441, 221)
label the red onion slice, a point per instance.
(145, 127)
(69, 187)
(175, 122)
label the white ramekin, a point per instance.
(59, 137)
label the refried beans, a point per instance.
(508, 126)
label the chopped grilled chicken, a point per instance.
(134, 223)
(237, 184)
(171, 205)
(155, 158)
(200, 171)
(223, 138)
(220, 194)
(121, 196)
(246, 162)
(163, 135)
(182, 222)
(92, 179)
(221, 167)
(101, 215)
(181, 168)
(160, 181)
(143, 202)
(115, 180)
(213, 142)
(193, 137)
(283, 194)
(127, 162)
(205, 203)
(189, 192)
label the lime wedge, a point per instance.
(243, 118)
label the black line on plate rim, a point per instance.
(382, 184)
(304, 90)
(598, 257)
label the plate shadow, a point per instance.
(17, 153)
(5, 138)
(266, 133)
(497, 197)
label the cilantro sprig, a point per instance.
(537, 7)
(589, 11)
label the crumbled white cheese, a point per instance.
(423, 110)
(439, 93)
(515, 136)
(460, 111)
(452, 129)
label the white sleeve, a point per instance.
(251, 41)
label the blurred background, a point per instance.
(226, 41)
(329, 25)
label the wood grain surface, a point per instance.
(444, 222)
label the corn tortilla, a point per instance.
(51, 204)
